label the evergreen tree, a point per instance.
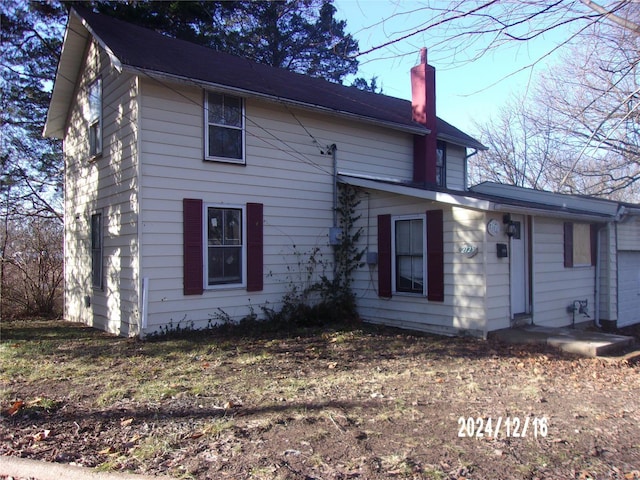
(31, 177)
(298, 35)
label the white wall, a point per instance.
(285, 170)
(556, 287)
(463, 309)
(105, 184)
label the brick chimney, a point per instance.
(423, 102)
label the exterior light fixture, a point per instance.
(511, 227)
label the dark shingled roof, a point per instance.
(145, 49)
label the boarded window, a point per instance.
(579, 244)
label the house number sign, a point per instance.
(467, 250)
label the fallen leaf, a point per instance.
(38, 437)
(126, 423)
(107, 451)
(15, 408)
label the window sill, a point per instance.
(234, 161)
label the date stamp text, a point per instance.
(502, 427)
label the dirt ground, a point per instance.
(333, 403)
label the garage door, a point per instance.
(628, 288)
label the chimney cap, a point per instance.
(423, 55)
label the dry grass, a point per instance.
(342, 402)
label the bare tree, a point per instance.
(580, 130)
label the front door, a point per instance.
(519, 268)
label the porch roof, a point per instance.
(541, 206)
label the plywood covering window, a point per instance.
(95, 118)
(224, 132)
(579, 244)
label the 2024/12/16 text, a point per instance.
(507, 427)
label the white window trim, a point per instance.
(239, 161)
(205, 242)
(99, 121)
(394, 219)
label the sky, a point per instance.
(466, 91)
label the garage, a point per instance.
(628, 288)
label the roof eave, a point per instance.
(76, 36)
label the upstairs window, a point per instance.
(441, 163)
(224, 132)
(95, 118)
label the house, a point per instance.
(197, 183)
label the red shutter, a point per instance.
(192, 245)
(435, 255)
(255, 262)
(568, 245)
(384, 256)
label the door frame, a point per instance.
(520, 268)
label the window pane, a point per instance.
(232, 233)
(403, 237)
(232, 111)
(214, 222)
(225, 265)
(403, 279)
(215, 108)
(416, 237)
(225, 142)
(95, 100)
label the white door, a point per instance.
(518, 265)
(628, 288)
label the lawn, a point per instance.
(333, 403)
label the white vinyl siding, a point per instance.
(107, 184)
(455, 169)
(557, 287)
(463, 309)
(285, 171)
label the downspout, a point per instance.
(465, 166)
(596, 317)
(333, 148)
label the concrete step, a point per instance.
(582, 342)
